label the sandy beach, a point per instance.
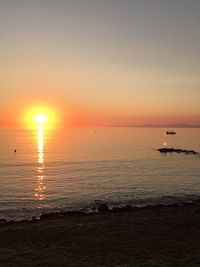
(152, 236)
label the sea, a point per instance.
(79, 168)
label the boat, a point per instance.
(171, 132)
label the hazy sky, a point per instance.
(133, 59)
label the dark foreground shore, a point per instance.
(159, 236)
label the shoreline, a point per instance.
(156, 236)
(99, 209)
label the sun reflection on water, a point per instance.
(40, 188)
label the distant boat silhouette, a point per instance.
(172, 132)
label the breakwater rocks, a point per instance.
(177, 150)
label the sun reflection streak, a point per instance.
(40, 188)
(40, 144)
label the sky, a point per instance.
(105, 62)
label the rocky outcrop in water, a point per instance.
(177, 150)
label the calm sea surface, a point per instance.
(80, 167)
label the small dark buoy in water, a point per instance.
(15, 150)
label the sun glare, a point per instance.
(41, 116)
(40, 119)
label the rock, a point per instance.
(103, 208)
(177, 150)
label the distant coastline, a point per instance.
(156, 126)
(167, 126)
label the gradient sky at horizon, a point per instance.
(109, 58)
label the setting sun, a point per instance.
(41, 115)
(40, 118)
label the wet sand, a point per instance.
(159, 236)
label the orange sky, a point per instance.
(98, 63)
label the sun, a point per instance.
(41, 116)
(40, 119)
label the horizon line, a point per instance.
(117, 126)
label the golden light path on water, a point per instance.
(40, 188)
